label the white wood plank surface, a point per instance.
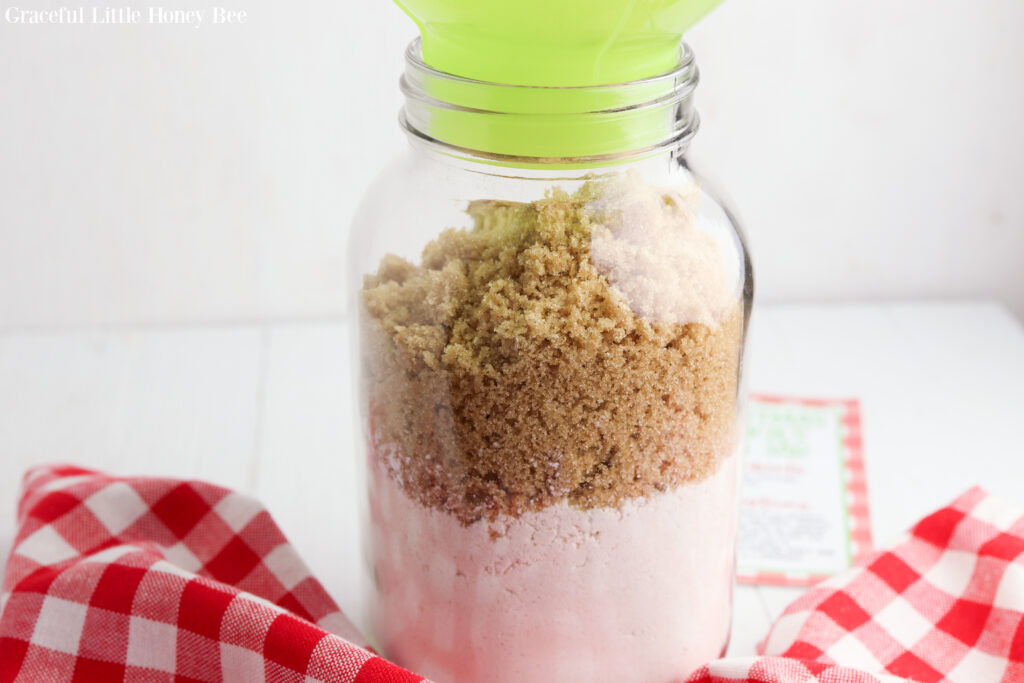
(181, 402)
(267, 409)
(306, 473)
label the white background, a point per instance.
(166, 173)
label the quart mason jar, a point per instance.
(549, 349)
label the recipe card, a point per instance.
(803, 503)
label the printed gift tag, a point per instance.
(803, 504)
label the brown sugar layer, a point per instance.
(582, 348)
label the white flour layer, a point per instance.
(641, 593)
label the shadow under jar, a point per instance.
(551, 319)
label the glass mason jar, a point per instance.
(551, 319)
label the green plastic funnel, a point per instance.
(554, 42)
(525, 77)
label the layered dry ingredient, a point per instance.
(580, 348)
(605, 595)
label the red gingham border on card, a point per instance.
(856, 489)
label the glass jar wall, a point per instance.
(549, 353)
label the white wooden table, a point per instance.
(266, 409)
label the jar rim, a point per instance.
(544, 124)
(685, 68)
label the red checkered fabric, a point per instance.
(144, 579)
(141, 579)
(945, 604)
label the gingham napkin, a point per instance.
(141, 579)
(945, 604)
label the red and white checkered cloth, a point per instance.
(945, 604)
(143, 579)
